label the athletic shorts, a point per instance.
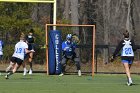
(25, 56)
(16, 60)
(30, 46)
(127, 61)
(1, 57)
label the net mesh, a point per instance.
(84, 50)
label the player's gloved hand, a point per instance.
(70, 49)
(66, 48)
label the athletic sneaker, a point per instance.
(30, 72)
(129, 83)
(79, 72)
(6, 77)
(25, 72)
(61, 74)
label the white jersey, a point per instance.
(127, 49)
(20, 50)
(1, 50)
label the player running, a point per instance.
(17, 58)
(68, 49)
(127, 47)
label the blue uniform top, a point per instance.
(1, 46)
(68, 48)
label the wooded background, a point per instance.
(111, 18)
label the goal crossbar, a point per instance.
(30, 1)
(68, 25)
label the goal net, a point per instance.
(85, 46)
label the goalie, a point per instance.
(68, 50)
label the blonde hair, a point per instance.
(22, 36)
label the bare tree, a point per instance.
(130, 22)
(67, 9)
(74, 12)
(106, 14)
(35, 12)
(75, 18)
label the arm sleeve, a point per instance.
(63, 46)
(118, 48)
(134, 46)
(2, 44)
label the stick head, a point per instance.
(75, 39)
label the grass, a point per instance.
(41, 83)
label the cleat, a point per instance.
(79, 73)
(30, 72)
(25, 72)
(129, 83)
(61, 74)
(6, 77)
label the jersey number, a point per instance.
(128, 51)
(19, 50)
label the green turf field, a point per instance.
(41, 83)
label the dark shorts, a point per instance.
(16, 60)
(31, 46)
(25, 56)
(1, 57)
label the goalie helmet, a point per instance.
(69, 37)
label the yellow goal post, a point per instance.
(54, 2)
(69, 25)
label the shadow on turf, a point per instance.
(28, 77)
(134, 84)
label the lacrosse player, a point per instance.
(127, 48)
(18, 56)
(30, 41)
(68, 49)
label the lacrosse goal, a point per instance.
(86, 46)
